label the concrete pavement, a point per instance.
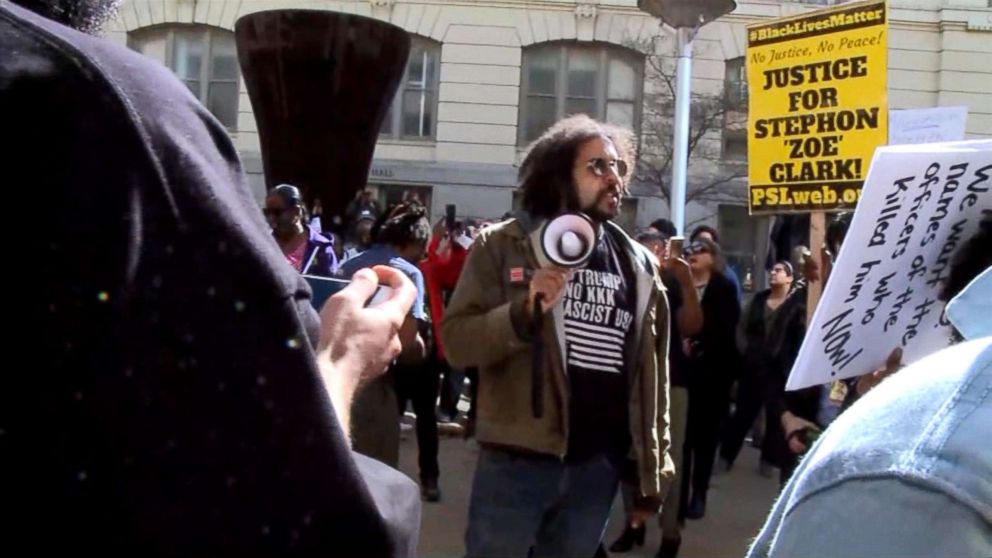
(737, 506)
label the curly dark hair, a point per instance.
(545, 176)
(974, 257)
(403, 225)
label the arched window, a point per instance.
(563, 78)
(203, 57)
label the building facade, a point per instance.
(485, 78)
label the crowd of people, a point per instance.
(183, 395)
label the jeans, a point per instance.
(522, 502)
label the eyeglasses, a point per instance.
(696, 249)
(274, 212)
(601, 167)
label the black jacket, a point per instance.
(167, 401)
(714, 349)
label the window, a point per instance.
(735, 145)
(204, 58)
(735, 84)
(413, 113)
(560, 79)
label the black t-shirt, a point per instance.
(676, 358)
(169, 402)
(599, 306)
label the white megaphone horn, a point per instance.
(568, 240)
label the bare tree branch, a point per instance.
(712, 179)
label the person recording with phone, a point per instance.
(558, 432)
(714, 362)
(446, 255)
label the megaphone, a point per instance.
(568, 240)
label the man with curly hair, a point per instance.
(549, 467)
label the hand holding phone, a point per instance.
(449, 217)
(675, 244)
(323, 288)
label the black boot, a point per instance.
(669, 548)
(697, 508)
(629, 537)
(429, 491)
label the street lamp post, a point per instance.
(686, 16)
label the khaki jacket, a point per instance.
(483, 327)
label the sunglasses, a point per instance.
(601, 167)
(274, 212)
(696, 249)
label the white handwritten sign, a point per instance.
(927, 125)
(919, 205)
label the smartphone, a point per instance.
(449, 216)
(675, 246)
(325, 287)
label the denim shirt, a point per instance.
(906, 471)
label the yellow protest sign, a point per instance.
(817, 107)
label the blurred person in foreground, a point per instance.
(183, 398)
(905, 471)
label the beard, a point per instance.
(87, 16)
(599, 215)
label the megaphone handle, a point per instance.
(537, 365)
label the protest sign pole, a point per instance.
(817, 235)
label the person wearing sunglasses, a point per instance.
(714, 360)
(706, 232)
(549, 470)
(303, 245)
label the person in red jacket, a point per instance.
(446, 254)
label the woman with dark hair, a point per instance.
(713, 361)
(305, 248)
(706, 232)
(755, 336)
